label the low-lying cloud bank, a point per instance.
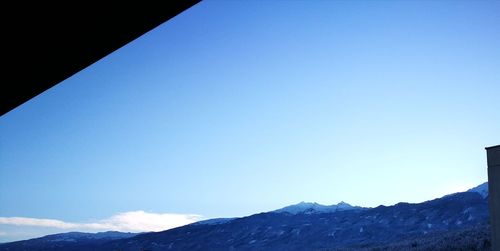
(134, 221)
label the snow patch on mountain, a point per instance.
(79, 236)
(214, 221)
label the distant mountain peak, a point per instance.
(481, 189)
(343, 204)
(313, 207)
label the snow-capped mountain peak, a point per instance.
(313, 207)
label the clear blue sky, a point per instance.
(233, 108)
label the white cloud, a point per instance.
(22, 221)
(135, 221)
(140, 221)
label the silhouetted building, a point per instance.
(494, 193)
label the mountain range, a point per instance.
(453, 222)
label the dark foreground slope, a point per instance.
(440, 222)
(471, 238)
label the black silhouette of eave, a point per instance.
(45, 43)
(491, 147)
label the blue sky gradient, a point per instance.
(234, 108)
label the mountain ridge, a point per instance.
(316, 227)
